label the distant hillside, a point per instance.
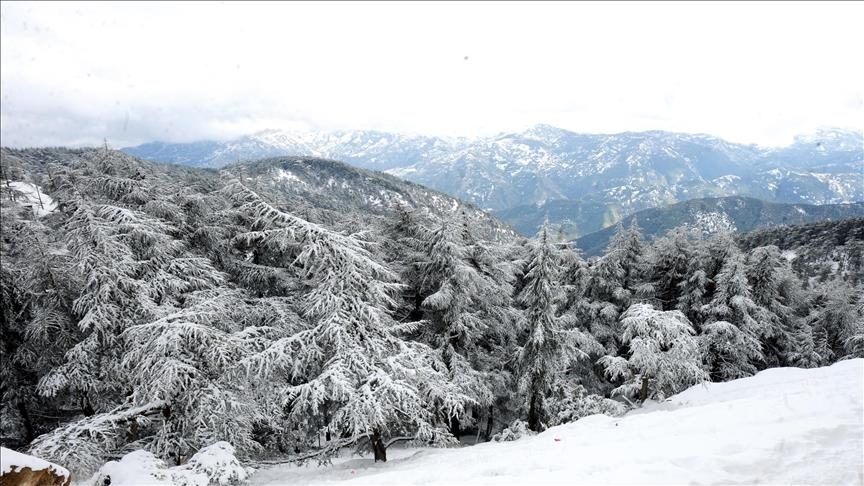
(818, 250)
(581, 182)
(322, 190)
(741, 214)
(339, 188)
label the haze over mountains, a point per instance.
(581, 182)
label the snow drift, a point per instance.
(784, 425)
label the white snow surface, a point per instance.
(212, 465)
(782, 426)
(12, 460)
(33, 196)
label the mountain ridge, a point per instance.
(514, 175)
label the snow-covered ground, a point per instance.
(32, 195)
(782, 426)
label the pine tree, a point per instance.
(349, 371)
(670, 259)
(549, 349)
(186, 361)
(728, 351)
(36, 319)
(802, 351)
(616, 280)
(663, 359)
(732, 303)
(775, 291)
(837, 318)
(693, 295)
(466, 303)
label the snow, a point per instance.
(784, 425)
(15, 461)
(212, 465)
(217, 462)
(31, 196)
(284, 175)
(137, 467)
(712, 222)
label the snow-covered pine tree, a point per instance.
(131, 265)
(776, 291)
(133, 270)
(669, 262)
(663, 359)
(549, 349)
(575, 278)
(405, 233)
(732, 304)
(349, 372)
(837, 319)
(693, 295)
(616, 279)
(36, 319)
(802, 352)
(728, 351)
(466, 303)
(186, 361)
(575, 311)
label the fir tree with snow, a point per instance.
(466, 306)
(663, 356)
(549, 349)
(776, 291)
(732, 303)
(349, 371)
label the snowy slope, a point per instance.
(784, 425)
(32, 195)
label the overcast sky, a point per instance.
(753, 73)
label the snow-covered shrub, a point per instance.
(516, 430)
(570, 402)
(137, 467)
(218, 463)
(212, 465)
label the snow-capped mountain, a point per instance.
(365, 149)
(583, 181)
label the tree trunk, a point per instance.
(378, 447)
(489, 422)
(643, 393)
(86, 408)
(29, 434)
(455, 428)
(132, 433)
(534, 412)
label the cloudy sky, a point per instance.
(74, 74)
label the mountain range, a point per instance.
(579, 182)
